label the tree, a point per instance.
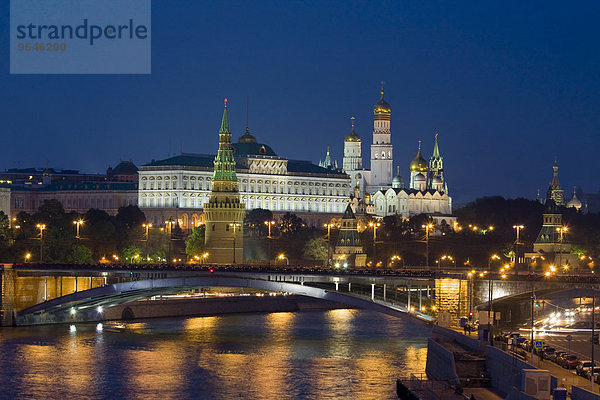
(316, 249)
(131, 254)
(255, 222)
(80, 255)
(291, 224)
(194, 245)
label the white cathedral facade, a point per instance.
(427, 192)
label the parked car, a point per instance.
(596, 371)
(583, 366)
(548, 352)
(569, 362)
(525, 345)
(556, 356)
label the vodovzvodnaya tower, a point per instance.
(224, 212)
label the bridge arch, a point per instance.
(88, 305)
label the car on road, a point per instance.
(569, 361)
(583, 366)
(556, 356)
(548, 352)
(596, 371)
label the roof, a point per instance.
(252, 148)
(125, 167)
(206, 161)
(185, 159)
(310, 168)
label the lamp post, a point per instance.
(328, 226)
(234, 225)
(269, 224)
(41, 227)
(375, 225)
(518, 228)
(427, 228)
(562, 231)
(593, 328)
(169, 224)
(78, 223)
(283, 257)
(147, 226)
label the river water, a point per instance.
(337, 354)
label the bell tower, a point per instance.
(381, 149)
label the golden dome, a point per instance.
(418, 164)
(352, 136)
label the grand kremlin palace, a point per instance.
(176, 188)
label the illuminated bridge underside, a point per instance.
(83, 306)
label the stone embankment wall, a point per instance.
(215, 306)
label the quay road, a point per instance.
(408, 271)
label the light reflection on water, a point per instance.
(315, 355)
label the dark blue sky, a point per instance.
(507, 85)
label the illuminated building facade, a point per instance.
(178, 187)
(427, 192)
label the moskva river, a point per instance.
(339, 354)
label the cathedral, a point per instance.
(427, 192)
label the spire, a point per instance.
(352, 120)
(555, 183)
(382, 83)
(436, 150)
(225, 122)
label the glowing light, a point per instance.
(99, 309)
(99, 327)
(72, 329)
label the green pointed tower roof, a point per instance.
(225, 122)
(436, 149)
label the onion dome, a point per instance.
(420, 178)
(418, 164)
(382, 106)
(574, 202)
(436, 180)
(382, 109)
(247, 137)
(397, 181)
(352, 136)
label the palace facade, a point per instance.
(177, 188)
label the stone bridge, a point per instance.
(34, 294)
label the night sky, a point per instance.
(508, 86)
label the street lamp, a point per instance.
(427, 228)
(234, 225)
(27, 257)
(283, 257)
(328, 226)
(396, 258)
(562, 231)
(41, 227)
(269, 224)
(204, 257)
(492, 258)
(78, 223)
(147, 226)
(518, 228)
(374, 225)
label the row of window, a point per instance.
(266, 203)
